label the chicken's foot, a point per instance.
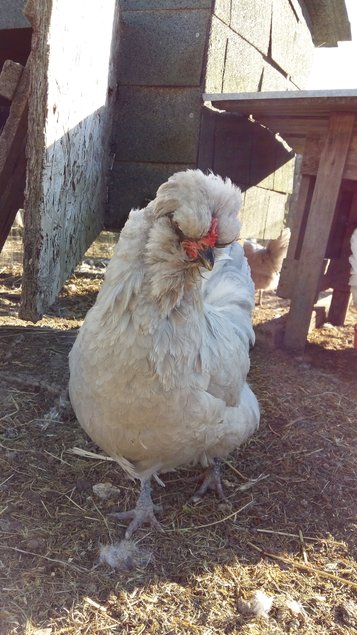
(142, 514)
(212, 481)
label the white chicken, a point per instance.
(158, 371)
(353, 263)
(265, 262)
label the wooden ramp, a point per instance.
(322, 126)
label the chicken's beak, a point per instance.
(206, 258)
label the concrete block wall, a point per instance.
(162, 49)
(170, 52)
(258, 45)
(254, 45)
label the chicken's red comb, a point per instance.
(211, 238)
(192, 247)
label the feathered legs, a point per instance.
(142, 514)
(212, 481)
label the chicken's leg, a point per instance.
(142, 514)
(212, 481)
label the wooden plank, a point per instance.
(296, 143)
(311, 158)
(12, 157)
(207, 135)
(233, 148)
(290, 265)
(312, 154)
(339, 305)
(340, 269)
(287, 278)
(294, 125)
(319, 103)
(9, 78)
(323, 203)
(70, 119)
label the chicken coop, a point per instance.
(111, 107)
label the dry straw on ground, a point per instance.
(277, 557)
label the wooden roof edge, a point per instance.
(277, 94)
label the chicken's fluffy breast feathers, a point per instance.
(158, 370)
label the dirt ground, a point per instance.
(276, 557)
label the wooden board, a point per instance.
(9, 78)
(318, 225)
(302, 103)
(312, 158)
(298, 227)
(12, 151)
(69, 126)
(340, 270)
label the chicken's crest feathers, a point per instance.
(192, 198)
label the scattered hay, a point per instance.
(286, 529)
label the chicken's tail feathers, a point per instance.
(353, 263)
(278, 247)
(280, 244)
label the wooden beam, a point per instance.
(295, 125)
(207, 137)
(319, 221)
(290, 265)
(312, 157)
(12, 157)
(9, 78)
(340, 270)
(319, 103)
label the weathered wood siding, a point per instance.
(68, 141)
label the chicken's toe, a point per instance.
(212, 481)
(142, 514)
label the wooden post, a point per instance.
(14, 83)
(290, 263)
(341, 270)
(313, 249)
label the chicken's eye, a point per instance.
(178, 231)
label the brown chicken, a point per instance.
(266, 262)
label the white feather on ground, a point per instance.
(353, 263)
(125, 555)
(158, 371)
(266, 262)
(258, 606)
